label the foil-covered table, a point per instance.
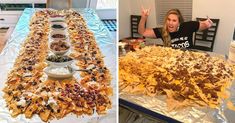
(156, 107)
(10, 52)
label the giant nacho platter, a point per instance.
(187, 79)
(30, 92)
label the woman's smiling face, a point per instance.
(172, 23)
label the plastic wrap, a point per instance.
(10, 52)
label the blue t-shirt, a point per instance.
(183, 38)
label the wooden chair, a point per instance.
(135, 19)
(204, 40)
(59, 4)
(234, 35)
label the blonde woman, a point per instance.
(175, 32)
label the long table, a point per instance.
(105, 42)
(156, 107)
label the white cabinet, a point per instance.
(11, 10)
(8, 20)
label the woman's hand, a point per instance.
(209, 22)
(144, 12)
(146, 32)
(205, 24)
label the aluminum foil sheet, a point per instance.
(10, 52)
(188, 114)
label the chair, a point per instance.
(135, 19)
(59, 4)
(234, 35)
(204, 40)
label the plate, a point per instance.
(59, 63)
(61, 52)
(58, 32)
(55, 72)
(57, 19)
(53, 24)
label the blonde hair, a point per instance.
(165, 33)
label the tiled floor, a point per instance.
(110, 24)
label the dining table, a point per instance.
(105, 42)
(156, 107)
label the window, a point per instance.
(162, 6)
(106, 9)
(106, 4)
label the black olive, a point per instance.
(30, 68)
(34, 83)
(47, 89)
(59, 89)
(28, 101)
(24, 68)
(19, 106)
(93, 78)
(94, 52)
(101, 70)
(40, 98)
(16, 98)
(102, 75)
(20, 87)
(43, 88)
(61, 99)
(98, 62)
(48, 107)
(89, 71)
(9, 92)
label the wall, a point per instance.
(201, 8)
(222, 10)
(107, 13)
(136, 9)
(124, 18)
(129, 7)
(102, 13)
(79, 3)
(59, 4)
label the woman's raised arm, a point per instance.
(146, 32)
